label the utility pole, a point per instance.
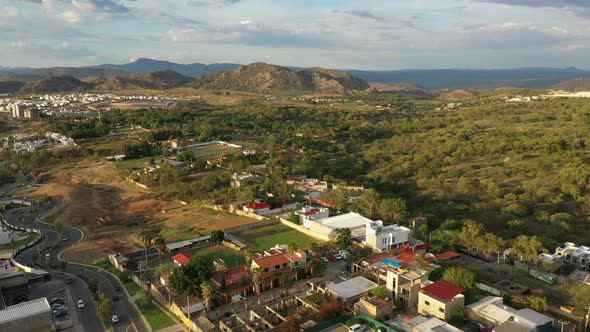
(587, 315)
(563, 323)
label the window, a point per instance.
(266, 269)
(284, 264)
(277, 267)
(441, 310)
(426, 303)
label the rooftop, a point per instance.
(233, 275)
(352, 287)
(442, 290)
(259, 206)
(348, 220)
(435, 325)
(447, 255)
(182, 258)
(24, 309)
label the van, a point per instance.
(356, 328)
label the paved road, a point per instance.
(54, 245)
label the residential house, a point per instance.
(386, 238)
(492, 311)
(236, 280)
(439, 298)
(578, 256)
(350, 290)
(119, 261)
(277, 261)
(448, 256)
(257, 207)
(434, 324)
(238, 180)
(374, 307)
(181, 259)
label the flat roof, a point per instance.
(24, 309)
(348, 220)
(352, 287)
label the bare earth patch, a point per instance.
(112, 211)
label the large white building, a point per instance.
(372, 233)
(492, 311)
(578, 256)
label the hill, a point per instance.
(144, 66)
(157, 80)
(578, 84)
(261, 77)
(56, 84)
(10, 86)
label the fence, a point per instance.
(17, 251)
(308, 232)
(262, 223)
(489, 289)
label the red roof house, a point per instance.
(182, 259)
(257, 207)
(445, 256)
(442, 290)
(439, 298)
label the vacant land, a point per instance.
(112, 212)
(266, 237)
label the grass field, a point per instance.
(230, 257)
(155, 317)
(267, 237)
(131, 287)
(30, 237)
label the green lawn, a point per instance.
(156, 317)
(134, 163)
(131, 287)
(30, 237)
(230, 257)
(267, 237)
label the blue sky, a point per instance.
(363, 34)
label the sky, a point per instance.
(339, 34)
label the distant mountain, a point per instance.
(144, 66)
(262, 77)
(577, 84)
(10, 86)
(56, 84)
(533, 78)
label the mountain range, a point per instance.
(430, 79)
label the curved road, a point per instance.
(53, 244)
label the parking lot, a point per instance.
(63, 307)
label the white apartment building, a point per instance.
(386, 238)
(578, 256)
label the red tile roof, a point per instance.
(407, 257)
(447, 255)
(311, 212)
(259, 206)
(377, 258)
(271, 261)
(233, 275)
(182, 258)
(442, 290)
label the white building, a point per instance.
(492, 311)
(578, 256)
(386, 237)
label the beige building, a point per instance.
(374, 307)
(439, 298)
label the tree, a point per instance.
(369, 204)
(162, 269)
(204, 267)
(527, 248)
(207, 293)
(146, 240)
(92, 285)
(184, 280)
(292, 249)
(257, 279)
(381, 292)
(249, 255)
(393, 210)
(160, 244)
(491, 244)
(217, 236)
(105, 308)
(330, 309)
(292, 323)
(314, 248)
(144, 298)
(344, 237)
(471, 233)
(461, 277)
(286, 280)
(458, 315)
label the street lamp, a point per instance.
(563, 323)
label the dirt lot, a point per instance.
(92, 191)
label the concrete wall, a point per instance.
(317, 231)
(18, 250)
(489, 289)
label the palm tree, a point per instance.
(256, 279)
(292, 248)
(207, 293)
(160, 244)
(314, 248)
(249, 256)
(146, 240)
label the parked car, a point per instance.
(332, 258)
(115, 319)
(115, 298)
(343, 275)
(356, 328)
(338, 256)
(325, 259)
(56, 300)
(81, 304)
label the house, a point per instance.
(386, 238)
(448, 256)
(350, 290)
(257, 207)
(578, 256)
(277, 261)
(236, 280)
(374, 307)
(238, 180)
(164, 279)
(439, 298)
(492, 312)
(181, 259)
(434, 324)
(119, 261)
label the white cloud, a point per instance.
(9, 12)
(20, 44)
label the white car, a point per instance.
(343, 276)
(81, 304)
(115, 319)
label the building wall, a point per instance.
(41, 322)
(428, 305)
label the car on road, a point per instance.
(115, 319)
(69, 281)
(115, 298)
(47, 256)
(65, 239)
(117, 288)
(81, 304)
